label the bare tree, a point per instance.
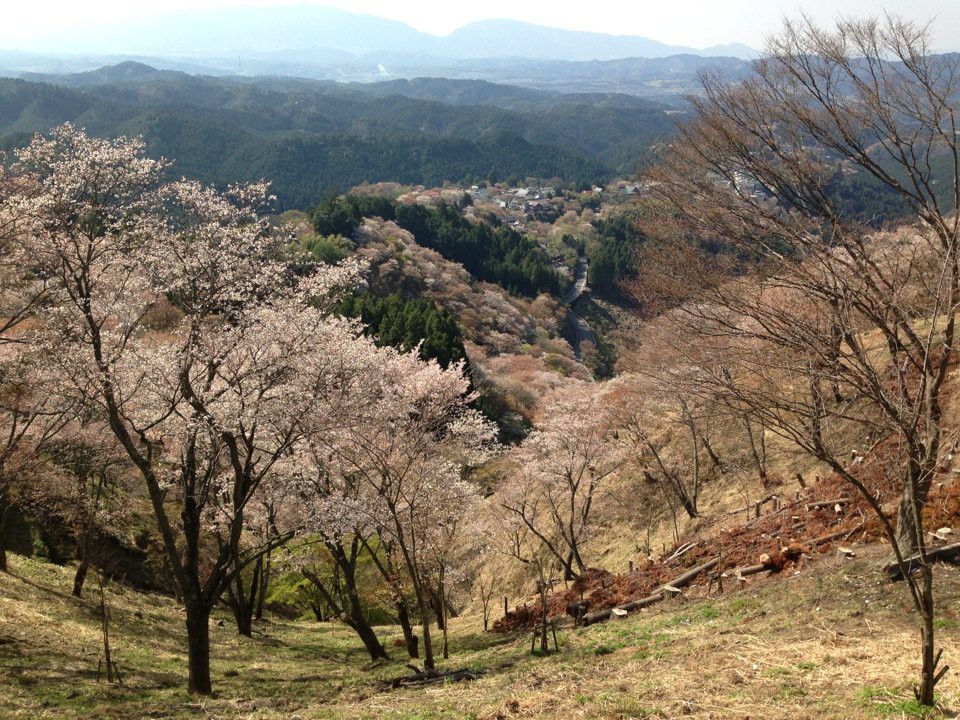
(848, 328)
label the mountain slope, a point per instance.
(510, 38)
(311, 137)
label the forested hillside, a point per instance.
(310, 138)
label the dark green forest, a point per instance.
(615, 259)
(502, 255)
(404, 322)
(310, 138)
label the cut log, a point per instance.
(947, 553)
(657, 596)
(821, 504)
(747, 571)
(690, 574)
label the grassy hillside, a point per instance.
(830, 642)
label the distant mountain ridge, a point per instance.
(331, 35)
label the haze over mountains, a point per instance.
(317, 99)
(279, 40)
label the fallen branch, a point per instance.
(947, 553)
(429, 677)
(682, 550)
(657, 596)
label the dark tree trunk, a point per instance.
(369, 638)
(443, 618)
(80, 577)
(915, 489)
(317, 612)
(198, 647)
(928, 670)
(244, 622)
(436, 604)
(264, 587)
(86, 539)
(343, 596)
(4, 506)
(403, 617)
(358, 619)
(690, 507)
(241, 604)
(428, 661)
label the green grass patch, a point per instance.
(889, 702)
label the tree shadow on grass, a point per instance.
(49, 591)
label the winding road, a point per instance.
(579, 282)
(579, 328)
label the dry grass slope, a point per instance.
(833, 642)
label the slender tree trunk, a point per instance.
(568, 573)
(264, 587)
(351, 612)
(443, 617)
(4, 507)
(542, 588)
(80, 577)
(244, 623)
(714, 458)
(198, 647)
(915, 490)
(243, 605)
(105, 628)
(690, 507)
(928, 671)
(369, 638)
(385, 566)
(581, 565)
(428, 662)
(485, 596)
(403, 617)
(86, 539)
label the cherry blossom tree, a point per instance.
(80, 485)
(341, 513)
(417, 436)
(208, 404)
(562, 467)
(29, 416)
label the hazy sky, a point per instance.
(696, 23)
